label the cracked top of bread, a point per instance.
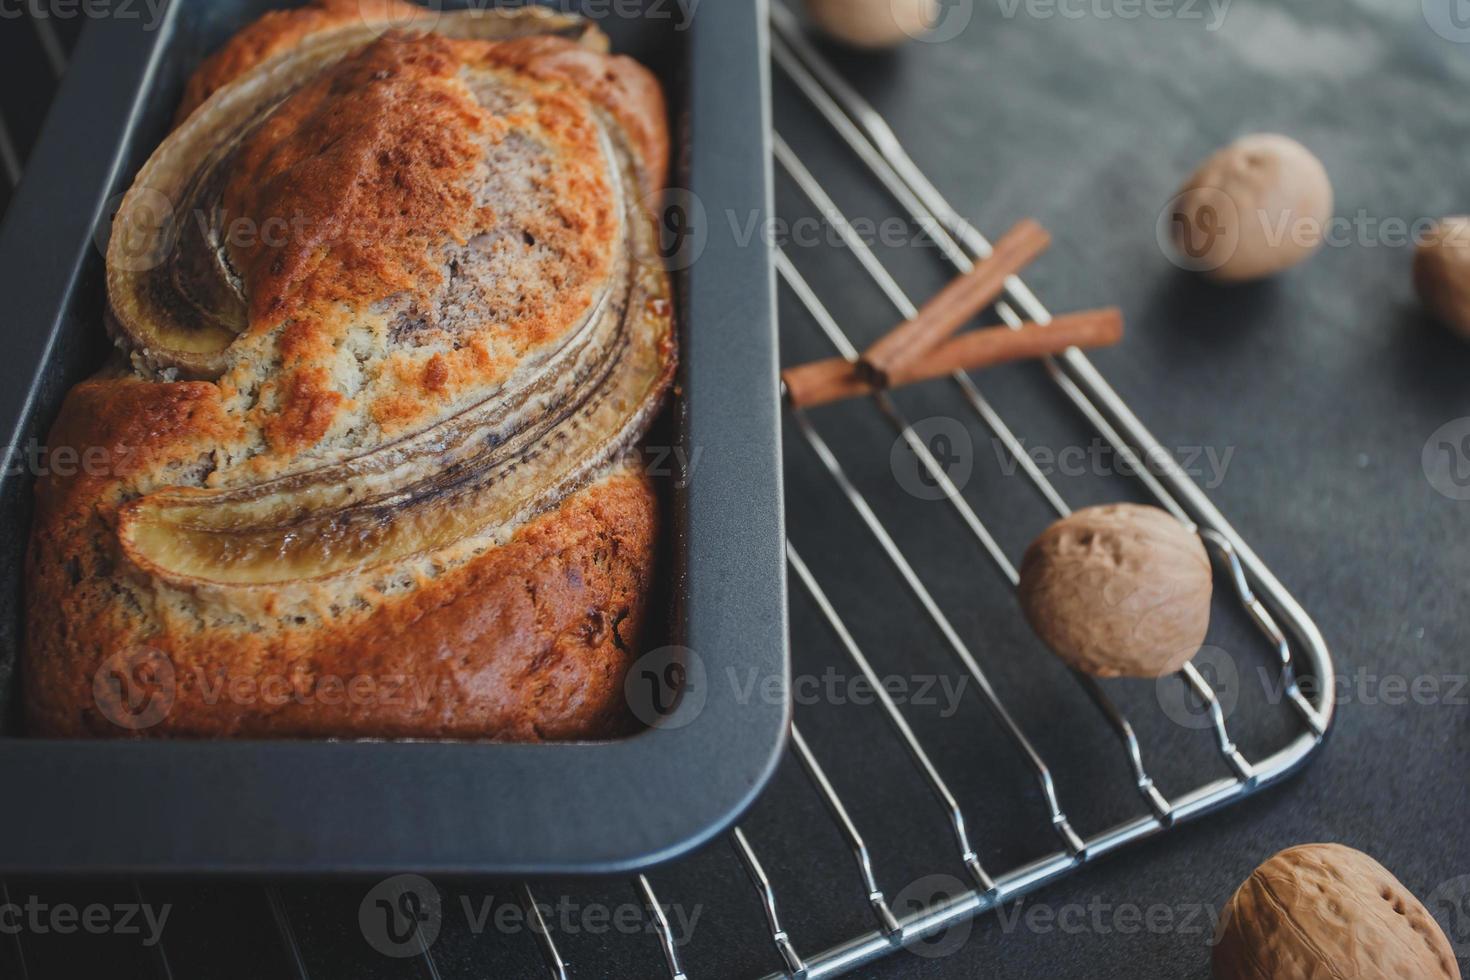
(390, 312)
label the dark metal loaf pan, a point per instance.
(139, 806)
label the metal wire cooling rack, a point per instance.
(1287, 629)
(1265, 600)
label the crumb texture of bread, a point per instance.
(453, 331)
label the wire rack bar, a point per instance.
(555, 965)
(916, 751)
(1267, 625)
(295, 958)
(818, 777)
(792, 277)
(1043, 775)
(20, 950)
(661, 926)
(9, 155)
(762, 882)
(1219, 793)
(50, 44)
(425, 959)
(160, 953)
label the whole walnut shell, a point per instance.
(1120, 590)
(1324, 912)
(1257, 206)
(1442, 272)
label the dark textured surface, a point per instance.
(1325, 385)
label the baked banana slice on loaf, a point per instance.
(392, 321)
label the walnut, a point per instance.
(1442, 272)
(1118, 590)
(1324, 910)
(1254, 208)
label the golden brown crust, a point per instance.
(394, 166)
(618, 83)
(375, 163)
(372, 161)
(280, 30)
(528, 641)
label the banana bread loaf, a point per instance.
(392, 324)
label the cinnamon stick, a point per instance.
(836, 378)
(956, 303)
